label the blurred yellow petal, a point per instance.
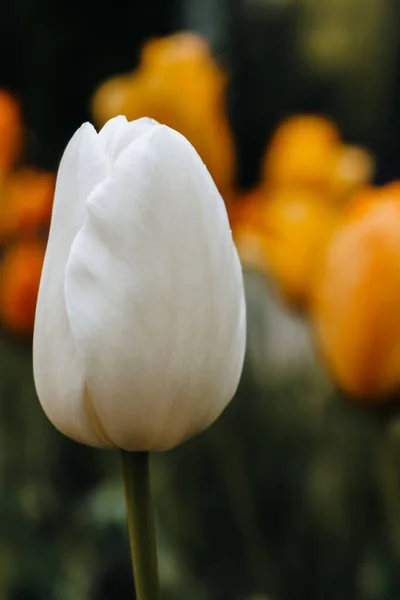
(181, 47)
(300, 152)
(357, 298)
(179, 84)
(247, 218)
(352, 168)
(26, 202)
(299, 227)
(307, 152)
(286, 235)
(19, 284)
(10, 132)
(111, 99)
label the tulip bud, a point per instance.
(356, 305)
(140, 324)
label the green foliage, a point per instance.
(293, 493)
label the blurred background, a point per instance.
(294, 107)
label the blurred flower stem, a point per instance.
(140, 517)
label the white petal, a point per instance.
(59, 372)
(118, 133)
(155, 298)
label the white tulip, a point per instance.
(140, 322)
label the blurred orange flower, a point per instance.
(19, 284)
(357, 298)
(177, 83)
(26, 202)
(300, 228)
(307, 152)
(10, 132)
(352, 169)
(286, 236)
(247, 218)
(300, 151)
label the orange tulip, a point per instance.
(286, 236)
(352, 169)
(247, 219)
(10, 132)
(300, 227)
(26, 202)
(19, 284)
(357, 297)
(179, 84)
(306, 152)
(111, 99)
(300, 152)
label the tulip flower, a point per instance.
(179, 84)
(19, 284)
(306, 152)
(26, 202)
(300, 226)
(248, 221)
(299, 154)
(356, 306)
(10, 132)
(352, 169)
(140, 323)
(285, 234)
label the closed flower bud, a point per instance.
(140, 323)
(356, 305)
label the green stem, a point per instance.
(139, 513)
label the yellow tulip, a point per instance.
(307, 152)
(179, 84)
(10, 132)
(247, 218)
(299, 154)
(26, 202)
(19, 284)
(356, 306)
(285, 235)
(352, 169)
